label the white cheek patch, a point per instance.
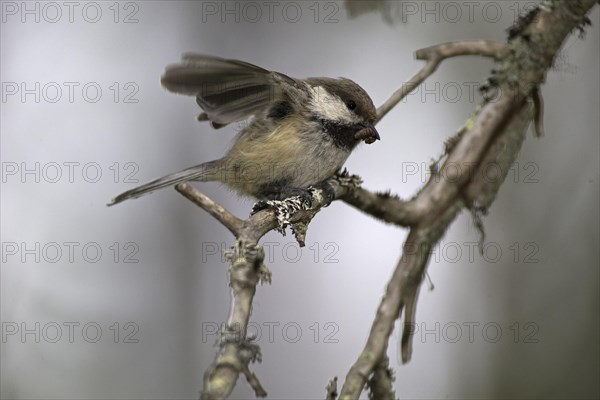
(331, 107)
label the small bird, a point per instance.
(302, 132)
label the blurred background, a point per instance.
(125, 302)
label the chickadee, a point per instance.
(302, 132)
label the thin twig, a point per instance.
(538, 119)
(434, 55)
(220, 213)
(332, 389)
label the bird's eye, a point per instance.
(351, 104)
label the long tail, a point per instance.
(203, 172)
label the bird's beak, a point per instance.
(369, 134)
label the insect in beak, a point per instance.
(369, 134)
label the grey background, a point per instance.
(538, 281)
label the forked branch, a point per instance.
(492, 136)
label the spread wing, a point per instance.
(226, 90)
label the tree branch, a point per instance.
(391, 209)
(247, 269)
(403, 288)
(434, 56)
(493, 135)
(220, 213)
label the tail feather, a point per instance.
(203, 172)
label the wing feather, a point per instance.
(226, 90)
